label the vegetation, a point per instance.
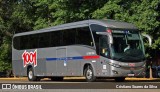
(26, 15)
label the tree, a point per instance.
(12, 20)
(5, 39)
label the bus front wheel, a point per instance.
(89, 74)
(31, 76)
(120, 79)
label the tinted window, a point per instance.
(103, 46)
(54, 38)
(98, 28)
(83, 36)
(96, 39)
(24, 42)
(69, 37)
(16, 42)
(33, 41)
(43, 40)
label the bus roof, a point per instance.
(107, 23)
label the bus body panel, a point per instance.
(57, 61)
(18, 64)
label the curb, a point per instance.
(25, 78)
(142, 79)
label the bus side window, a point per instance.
(82, 34)
(97, 28)
(16, 43)
(24, 42)
(103, 46)
(55, 38)
(33, 41)
(96, 39)
(43, 40)
(69, 37)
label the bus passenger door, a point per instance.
(61, 61)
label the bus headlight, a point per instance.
(114, 65)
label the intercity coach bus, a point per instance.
(89, 48)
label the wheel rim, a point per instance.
(30, 75)
(89, 74)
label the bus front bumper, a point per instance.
(128, 72)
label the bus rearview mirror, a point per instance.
(149, 38)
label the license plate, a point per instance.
(130, 74)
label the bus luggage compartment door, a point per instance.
(61, 62)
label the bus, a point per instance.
(89, 48)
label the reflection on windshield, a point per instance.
(127, 46)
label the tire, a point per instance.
(30, 75)
(89, 74)
(120, 79)
(57, 78)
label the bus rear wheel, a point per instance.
(89, 74)
(31, 76)
(120, 79)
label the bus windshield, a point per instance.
(127, 46)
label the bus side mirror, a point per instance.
(149, 38)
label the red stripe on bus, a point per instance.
(91, 57)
